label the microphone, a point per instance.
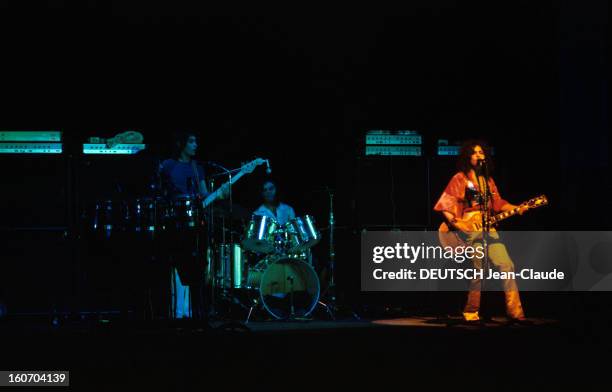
(268, 169)
(482, 162)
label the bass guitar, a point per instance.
(245, 169)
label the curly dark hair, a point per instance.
(466, 151)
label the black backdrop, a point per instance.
(300, 86)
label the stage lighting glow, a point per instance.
(30, 148)
(119, 149)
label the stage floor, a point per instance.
(403, 322)
(411, 351)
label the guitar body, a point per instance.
(473, 220)
(456, 238)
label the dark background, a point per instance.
(300, 86)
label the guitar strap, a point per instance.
(197, 175)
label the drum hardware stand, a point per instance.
(211, 256)
(331, 307)
(156, 186)
(253, 307)
(214, 267)
(292, 313)
(332, 260)
(211, 259)
(256, 306)
(328, 309)
(332, 253)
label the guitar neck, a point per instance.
(536, 202)
(504, 215)
(215, 195)
(245, 169)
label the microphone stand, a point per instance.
(214, 270)
(484, 208)
(229, 253)
(156, 189)
(229, 173)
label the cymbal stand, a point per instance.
(331, 307)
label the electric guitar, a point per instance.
(473, 221)
(245, 169)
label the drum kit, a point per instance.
(268, 267)
(283, 277)
(142, 215)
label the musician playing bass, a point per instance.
(183, 177)
(465, 193)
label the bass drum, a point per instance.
(288, 287)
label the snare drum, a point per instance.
(260, 235)
(302, 234)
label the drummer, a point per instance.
(282, 213)
(272, 207)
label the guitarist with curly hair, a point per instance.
(461, 204)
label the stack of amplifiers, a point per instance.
(31, 142)
(399, 183)
(391, 186)
(34, 179)
(393, 143)
(37, 270)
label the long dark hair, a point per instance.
(465, 154)
(179, 142)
